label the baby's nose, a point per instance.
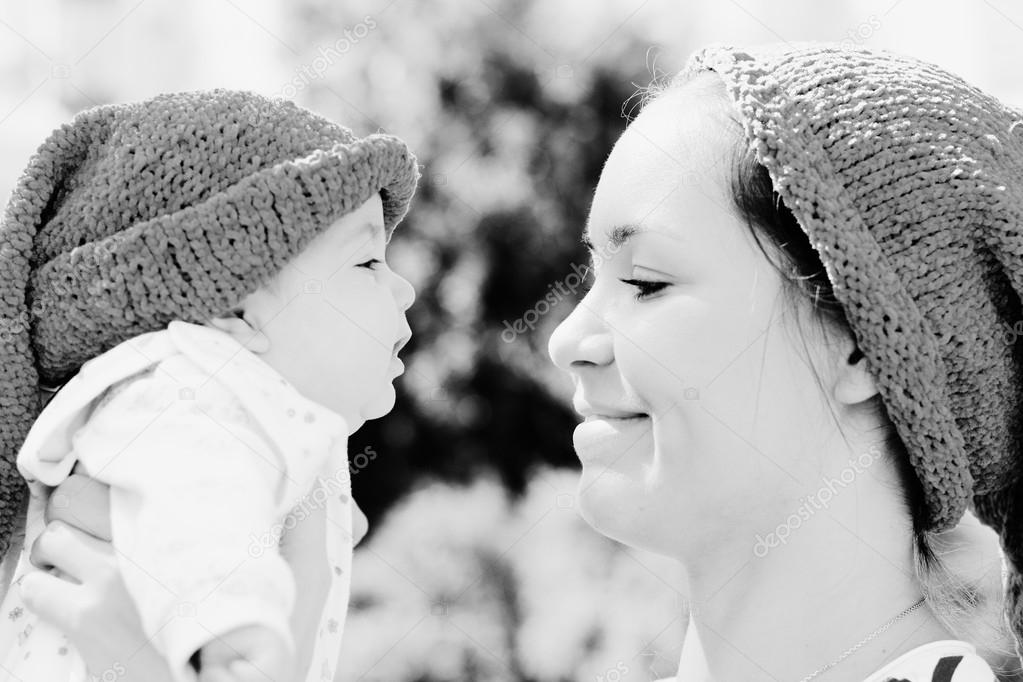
(404, 292)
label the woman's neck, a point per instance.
(787, 612)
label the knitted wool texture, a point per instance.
(909, 183)
(135, 215)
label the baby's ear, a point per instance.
(237, 327)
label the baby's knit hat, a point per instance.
(176, 208)
(909, 183)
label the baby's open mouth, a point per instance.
(618, 417)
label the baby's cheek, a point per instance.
(359, 379)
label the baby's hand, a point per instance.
(247, 654)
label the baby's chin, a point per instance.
(357, 413)
(381, 404)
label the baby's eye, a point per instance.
(644, 287)
(371, 264)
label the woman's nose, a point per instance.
(581, 339)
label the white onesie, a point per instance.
(210, 455)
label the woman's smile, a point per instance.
(603, 438)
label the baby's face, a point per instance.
(335, 318)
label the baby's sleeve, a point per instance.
(194, 507)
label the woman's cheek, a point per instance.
(659, 360)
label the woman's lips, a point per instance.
(605, 438)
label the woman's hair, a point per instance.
(970, 605)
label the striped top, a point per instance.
(944, 661)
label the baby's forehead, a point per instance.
(364, 225)
(345, 235)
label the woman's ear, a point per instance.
(241, 330)
(854, 383)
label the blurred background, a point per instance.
(477, 565)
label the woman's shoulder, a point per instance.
(945, 661)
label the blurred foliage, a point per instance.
(465, 583)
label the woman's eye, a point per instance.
(371, 264)
(644, 287)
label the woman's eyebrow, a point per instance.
(620, 234)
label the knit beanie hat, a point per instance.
(908, 182)
(176, 208)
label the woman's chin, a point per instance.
(617, 507)
(607, 503)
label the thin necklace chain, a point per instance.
(871, 636)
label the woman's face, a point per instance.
(703, 420)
